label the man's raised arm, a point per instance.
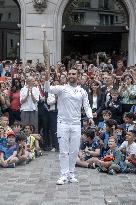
(51, 89)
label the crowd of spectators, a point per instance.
(28, 114)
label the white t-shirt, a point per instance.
(130, 149)
(29, 105)
(94, 106)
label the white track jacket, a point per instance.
(70, 101)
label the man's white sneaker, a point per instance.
(73, 180)
(62, 180)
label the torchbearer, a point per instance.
(71, 98)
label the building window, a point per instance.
(104, 4)
(2, 2)
(106, 20)
(9, 17)
(84, 4)
(78, 18)
(1, 15)
(11, 43)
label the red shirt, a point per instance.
(15, 101)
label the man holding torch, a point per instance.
(71, 98)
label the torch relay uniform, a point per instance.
(70, 101)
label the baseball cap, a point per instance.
(10, 132)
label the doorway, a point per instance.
(94, 26)
(10, 23)
(86, 43)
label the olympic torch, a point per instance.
(46, 52)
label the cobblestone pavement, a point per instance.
(35, 184)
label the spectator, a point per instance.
(114, 161)
(22, 153)
(14, 111)
(8, 157)
(128, 93)
(128, 147)
(4, 122)
(89, 150)
(119, 69)
(32, 142)
(128, 121)
(106, 114)
(29, 97)
(111, 126)
(114, 105)
(53, 112)
(96, 100)
(120, 134)
(43, 116)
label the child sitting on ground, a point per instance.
(114, 160)
(22, 153)
(85, 124)
(89, 149)
(8, 157)
(128, 147)
(16, 127)
(120, 135)
(32, 142)
(111, 126)
(106, 114)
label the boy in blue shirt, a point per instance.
(114, 161)
(8, 156)
(111, 126)
(89, 149)
(106, 114)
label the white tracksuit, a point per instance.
(70, 101)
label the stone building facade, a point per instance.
(33, 20)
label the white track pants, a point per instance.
(69, 142)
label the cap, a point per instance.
(10, 133)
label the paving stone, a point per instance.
(98, 201)
(112, 200)
(35, 184)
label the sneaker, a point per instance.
(53, 150)
(62, 180)
(73, 180)
(92, 166)
(130, 170)
(99, 169)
